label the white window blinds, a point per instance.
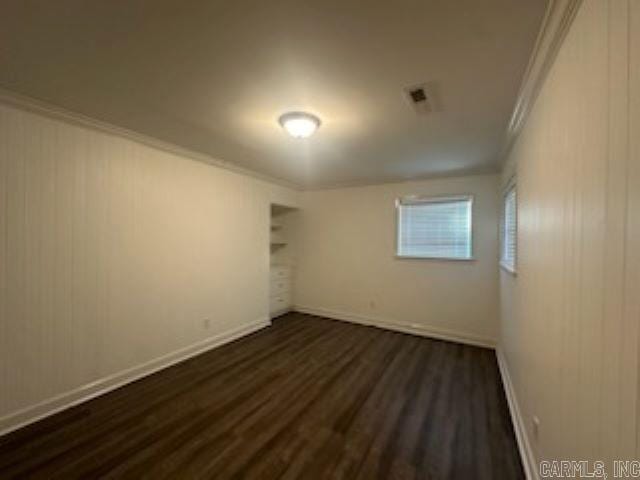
(438, 227)
(509, 231)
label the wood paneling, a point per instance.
(632, 252)
(114, 253)
(570, 317)
(307, 398)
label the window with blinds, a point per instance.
(509, 230)
(435, 227)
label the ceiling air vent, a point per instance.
(420, 98)
(418, 95)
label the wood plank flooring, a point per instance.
(306, 398)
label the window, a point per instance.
(435, 227)
(509, 231)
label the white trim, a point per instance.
(413, 328)
(23, 102)
(512, 187)
(472, 172)
(453, 259)
(33, 105)
(555, 25)
(524, 446)
(278, 313)
(427, 200)
(31, 414)
(508, 268)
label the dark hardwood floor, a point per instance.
(307, 398)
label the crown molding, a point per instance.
(33, 105)
(491, 170)
(40, 107)
(556, 23)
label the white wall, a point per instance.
(114, 254)
(346, 265)
(569, 328)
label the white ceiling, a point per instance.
(213, 76)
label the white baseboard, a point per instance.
(526, 452)
(24, 417)
(524, 446)
(278, 313)
(31, 414)
(414, 329)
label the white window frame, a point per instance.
(512, 269)
(418, 199)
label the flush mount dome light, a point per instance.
(299, 124)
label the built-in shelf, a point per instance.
(281, 243)
(280, 209)
(278, 236)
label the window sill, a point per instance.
(508, 269)
(445, 259)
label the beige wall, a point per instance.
(346, 265)
(569, 328)
(632, 224)
(114, 254)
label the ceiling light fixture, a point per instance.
(299, 124)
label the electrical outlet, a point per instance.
(206, 323)
(372, 304)
(535, 425)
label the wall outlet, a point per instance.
(535, 427)
(372, 304)
(206, 323)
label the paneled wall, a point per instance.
(347, 267)
(632, 234)
(569, 326)
(114, 254)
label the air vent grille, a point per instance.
(420, 97)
